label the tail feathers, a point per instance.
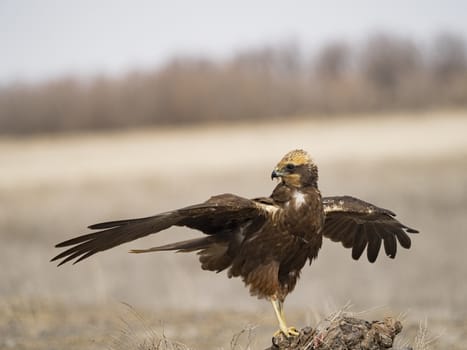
(182, 246)
(213, 254)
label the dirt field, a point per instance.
(51, 188)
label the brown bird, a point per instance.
(266, 241)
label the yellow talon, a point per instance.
(290, 332)
(287, 331)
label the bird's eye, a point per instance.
(290, 166)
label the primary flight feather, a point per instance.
(265, 241)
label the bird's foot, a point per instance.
(288, 332)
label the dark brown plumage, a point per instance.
(265, 241)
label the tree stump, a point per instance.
(342, 332)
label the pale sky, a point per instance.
(43, 39)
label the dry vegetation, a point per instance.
(385, 73)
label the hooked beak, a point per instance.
(276, 173)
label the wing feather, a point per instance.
(374, 242)
(390, 244)
(331, 224)
(403, 238)
(337, 228)
(347, 240)
(370, 227)
(217, 216)
(359, 243)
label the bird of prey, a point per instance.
(266, 241)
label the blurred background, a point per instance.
(111, 110)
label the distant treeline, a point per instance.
(383, 73)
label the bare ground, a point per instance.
(52, 187)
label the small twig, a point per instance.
(236, 337)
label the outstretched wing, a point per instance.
(220, 215)
(358, 224)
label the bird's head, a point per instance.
(296, 169)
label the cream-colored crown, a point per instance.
(296, 157)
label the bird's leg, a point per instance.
(279, 311)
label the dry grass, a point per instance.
(138, 333)
(423, 340)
